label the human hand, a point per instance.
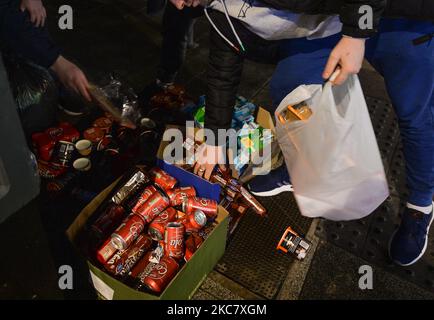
(36, 10)
(207, 157)
(71, 77)
(348, 54)
(179, 4)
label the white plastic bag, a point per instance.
(333, 157)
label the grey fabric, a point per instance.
(19, 181)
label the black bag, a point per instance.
(35, 93)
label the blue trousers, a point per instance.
(408, 72)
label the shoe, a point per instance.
(409, 242)
(277, 181)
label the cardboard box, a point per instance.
(190, 276)
(265, 120)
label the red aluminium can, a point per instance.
(146, 194)
(208, 206)
(153, 206)
(122, 262)
(163, 179)
(127, 232)
(193, 242)
(178, 195)
(44, 144)
(93, 134)
(106, 251)
(194, 221)
(156, 276)
(158, 225)
(104, 124)
(112, 216)
(139, 268)
(174, 240)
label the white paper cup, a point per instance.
(84, 147)
(82, 164)
(147, 123)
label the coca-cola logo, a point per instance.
(131, 260)
(156, 209)
(158, 270)
(55, 132)
(175, 243)
(163, 216)
(115, 258)
(136, 228)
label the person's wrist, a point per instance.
(57, 64)
(354, 38)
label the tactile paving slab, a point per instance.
(251, 258)
(369, 237)
(385, 127)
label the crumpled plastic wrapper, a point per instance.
(119, 100)
(35, 93)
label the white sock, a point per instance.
(426, 210)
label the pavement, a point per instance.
(117, 36)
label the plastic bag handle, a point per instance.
(329, 82)
(334, 75)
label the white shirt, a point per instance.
(273, 24)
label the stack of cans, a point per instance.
(150, 228)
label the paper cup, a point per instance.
(82, 164)
(147, 123)
(84, 147)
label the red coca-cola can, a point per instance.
(193, 242)
(174, 240)
(94, 134)
(105, 124)
(208, 206)
(43, 144)
(194, 221)
(122, 262)
(54, 132)
(69, 132)
(163, 179)
(127, 232)
(157, 276)
(106, 251)
(178, 195)
(110, 218)
(158, 225)
(145, 195)
(153, 206)
(138, 269)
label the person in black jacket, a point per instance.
(23, 32)
(225, 63)
(399, 46)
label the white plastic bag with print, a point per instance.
(333, 157)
